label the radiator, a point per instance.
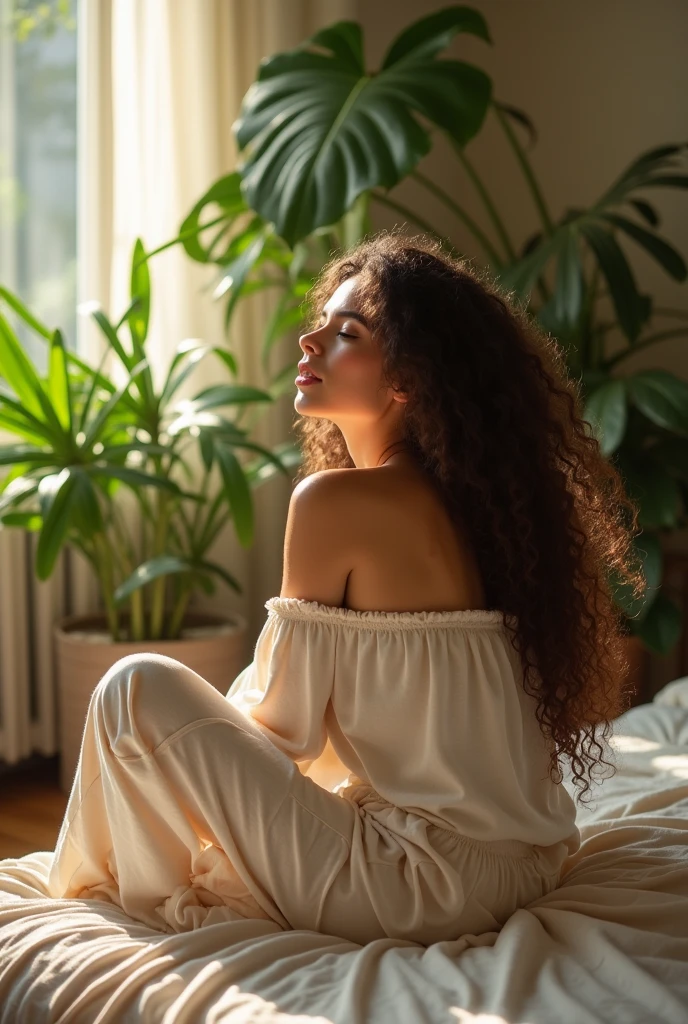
(29, 608)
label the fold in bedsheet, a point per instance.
(609, 944)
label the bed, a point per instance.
(610, 944)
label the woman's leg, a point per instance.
(180, 803)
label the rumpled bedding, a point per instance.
(610, 944)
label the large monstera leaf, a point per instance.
(322, 129)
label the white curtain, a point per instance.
(161, 84)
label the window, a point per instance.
(38, 166)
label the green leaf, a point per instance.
(110, 452)
(237, 492)
(652, 159)
(262, 469)
(668, 180)
(432, 34)
(632, 308)
(153, 569)
(28, 317)
(322, 130)
(665, 254)
(226, 193)
(67, 500)
(18, 491)
(15, 419)
(87, 517)
(521, 275)
(672, 454)
(134, 477)
(11, 453)
(191, 350)
(205, 442)
(98, 424)
(568, 289)
(662, 397)
(58, 383)
(661, 628)
(111, 335)
(522, 119)
(236, 272)
(220, 571)
(204, 420)
(223, 394)
(654, 491)
(19, 372)
(126, 314)
(641, 174)
(30, 521)
(605, 410)
(646, 211)
(140, 289)
(265, 452)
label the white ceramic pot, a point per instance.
(213, 646)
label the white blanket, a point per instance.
(609, 945)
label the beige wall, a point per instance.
(603, 81)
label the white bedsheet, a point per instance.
(609, 945)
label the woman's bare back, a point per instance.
(412, 557)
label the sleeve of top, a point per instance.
(286, 688)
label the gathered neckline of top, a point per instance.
(469, 618)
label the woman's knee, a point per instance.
(136, 697)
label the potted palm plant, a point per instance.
(312, 170)
(80, 441)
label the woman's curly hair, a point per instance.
(493, 415)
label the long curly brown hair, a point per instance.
(494, 416)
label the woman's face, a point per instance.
(341, 351)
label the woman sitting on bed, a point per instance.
(445, 625)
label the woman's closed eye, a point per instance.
(343, 335)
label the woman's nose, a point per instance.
(306, 342)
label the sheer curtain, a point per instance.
(161, 84)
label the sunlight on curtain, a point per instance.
(177, 84)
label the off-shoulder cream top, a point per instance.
(426, 707)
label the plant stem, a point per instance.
(127, 555)
(178, 612)
(497, 221)
(104, 561)
(651, 340)
(400, 208)
(201, 505)
(587, 337)
(158, 585)
(682, 314)
(189, 233)
(203, 543)
(536, 192)
(492, 254)
(210, 538)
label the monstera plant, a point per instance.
(323, 140)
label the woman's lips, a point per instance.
(304, 381)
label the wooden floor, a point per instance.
(31, 809)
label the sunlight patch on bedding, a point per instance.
(633, 744)
(677, 764)
(466, 1017)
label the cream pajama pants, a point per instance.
(183, 813)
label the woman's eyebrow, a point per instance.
(348, 312)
